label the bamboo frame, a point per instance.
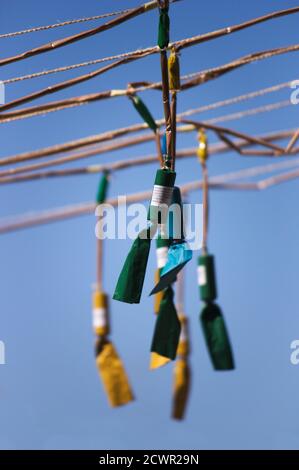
(83, 35)
(199, 79)
(178, 44)
(10, 175)
(88, 208)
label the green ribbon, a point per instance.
(179, 253)
(130, 282)
(144, 112)
(164, 25)
(216, 337)
(102, 189)
(167, 330)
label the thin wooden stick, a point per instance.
(86, 99)
(66, 84)
(173, 126)
(78, 144)
(205, 202)
(93, 97)
(165, 98)
(180, 292)
(84, 34)
(241, 143)
(292, 142)
(63, 213)
(159, 148)
(216, 72)
(275, 180)
(124, 164)
(99, 263)
(122, 143)
(241, 135)
(188, 42)
(200, 78)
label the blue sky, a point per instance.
(50, 394)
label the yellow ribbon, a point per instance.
(202, 151)
(109, 364)
(113, 375)
(158, 296)
(182, 373)
(174, 71)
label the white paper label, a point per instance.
(162, 256)
(183, 335)
(99, 316)
(202, 275)
(161, 195)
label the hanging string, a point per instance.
(182, 371)
(109, 364)
(202, 154)
(174, 86)
(100, 199)
(163, 42)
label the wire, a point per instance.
(250, 112)
(236, 99)
(134, 12)
(64, 23)
(71, 67)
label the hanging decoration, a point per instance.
(165, 219)
(109, 364)
(182, 373)
(130, 282)
(212, 321)
(179, 253)
(131, 279)
(146, 115)
(174, 87)
(167, 330)
(162, 245)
